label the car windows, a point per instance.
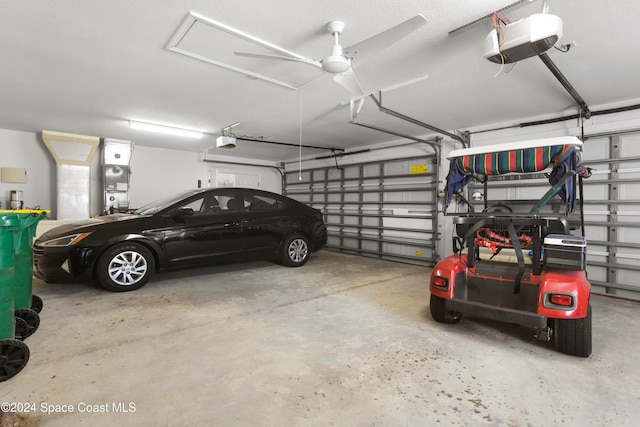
(212, 202)
(159, 205)
(195, 205)
(259, 202)
(228, 203)
(209, 203)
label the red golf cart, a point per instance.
(525, 267)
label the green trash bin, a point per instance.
(14, 354)
(27, 306)
(7, 274)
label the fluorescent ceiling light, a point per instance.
(165, 129)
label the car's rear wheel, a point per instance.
(315, 228)
(573, 336)
(125, 267)
(440, 313)
(295, 250)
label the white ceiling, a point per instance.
(87, 67)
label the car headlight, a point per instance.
(69, 240)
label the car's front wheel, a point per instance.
(295, 250)
(125, 267)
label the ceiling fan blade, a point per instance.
(279, 58)
(349, 81)
(360, 52)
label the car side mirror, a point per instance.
(183, 211)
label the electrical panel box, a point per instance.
(15, 175)
(116, 158)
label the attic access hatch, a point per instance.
(213, 42)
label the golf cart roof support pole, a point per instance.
(485, 185)
(465, 143)
(584, 108)
(552, 192)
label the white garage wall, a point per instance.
(155, 173)
(238, 175)
(26, 150)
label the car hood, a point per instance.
(86, 225)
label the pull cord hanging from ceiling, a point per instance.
(300, 138)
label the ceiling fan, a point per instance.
(342, 61)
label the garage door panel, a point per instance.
(384, 208)
(630, 145)
(612, 196)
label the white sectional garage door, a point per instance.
(612, 214)
(384, 209)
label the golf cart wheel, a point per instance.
(573, 336)
(125, 267)
(31, 317)
(440, 313)
(295, 250)
(14, 355)
(36, 303)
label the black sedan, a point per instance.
(195, 228)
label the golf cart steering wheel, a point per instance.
(497, 208)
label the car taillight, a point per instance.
(561, 299)
(440, 282)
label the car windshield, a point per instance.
(158, 205)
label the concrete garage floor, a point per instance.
(343, 341)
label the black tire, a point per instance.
(125, 267)
(295, 250)
(36, 303)
(316, 230)
(440, 313)
(31, 318)
(14, 355)
(21, 331)
(573, 336)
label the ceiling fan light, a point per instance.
(335, 64)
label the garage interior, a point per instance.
(346, 339)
